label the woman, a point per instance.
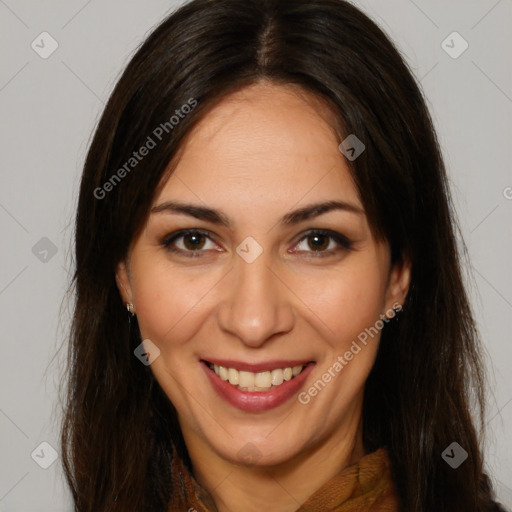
(269, 304)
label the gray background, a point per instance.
(48, 109)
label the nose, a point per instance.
(257, 304)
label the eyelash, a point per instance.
(343, 242)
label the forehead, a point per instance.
(266, 143)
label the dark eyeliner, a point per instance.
(169, 239)
(340, 239)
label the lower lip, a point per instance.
(255, 401)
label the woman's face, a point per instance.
(257, 257)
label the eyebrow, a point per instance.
(217, 217)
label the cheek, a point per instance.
(349, 300)
(167, 299)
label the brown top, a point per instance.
(366, 486)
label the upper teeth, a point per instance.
(261, 381)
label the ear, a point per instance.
(123, 283)
(398, 285)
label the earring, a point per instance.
(129, 308)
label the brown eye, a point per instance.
(194, 241)
(322, 242)
(318, 242)
(189, 243)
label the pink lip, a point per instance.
(257, 400)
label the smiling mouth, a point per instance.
(259, 381)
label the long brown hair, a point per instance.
(119, 425)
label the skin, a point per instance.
(259, 154)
